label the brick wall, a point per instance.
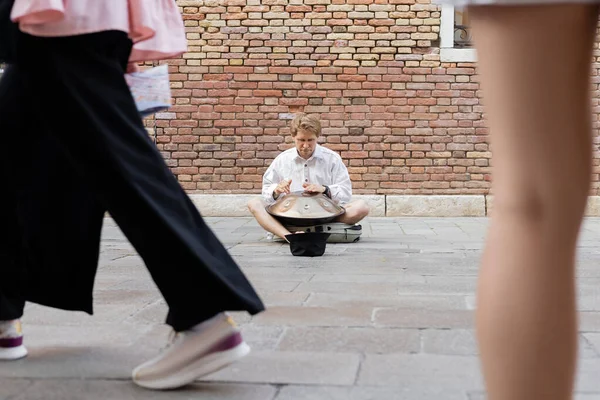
(404, 122)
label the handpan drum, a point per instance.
(304, 209)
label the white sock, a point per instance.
(9, 327)
(6, 324)
(205, 324)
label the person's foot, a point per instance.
(194, 353)
(11, 340)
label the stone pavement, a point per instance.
(387, 318)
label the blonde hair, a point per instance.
(308, 123)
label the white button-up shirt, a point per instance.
(325, 167)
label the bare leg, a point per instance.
(355, 212)
(534, 63)
(270, 224)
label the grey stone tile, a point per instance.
(367, 289)
(471, 302)
(60, 335)
(407, 392)
(455, 269)
(477, 396)
(135, 282)
(76, 363)
(588, 286)
(460, 342)
(588, 271)
(384, 244)
(110, 253)
(422, 302)
(400, 278)
(587, 396)
(124, 297)
(588, 302)
(275, 286)
(453, 284)
(417, 230)
(326, 315)
(438, 248)
(272, 299)
(283, 367)
(9, 388)
(589, 321)
(587, 348)
(103, 314)
(69, 389)
(278, 275)
(594, 340)
(112, 280)
(315, 316)
(351, 340)
(587, 375)
(452, 235)
(151, 314)
(262, 337)
(421, 370)
(125, 261)
(111, 245)
(463, 342)
(388, 267)
(415, 318)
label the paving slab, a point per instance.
(73, 362)
(291, 367)
(407, 392)
(367, 289)
(70, 389)
(463, 342)
(412, 318)
(578, 396)
(389, 317)
(422, 370)
(315, 316)
(460, 342)
(9, 388)
(424, 302)
(594, 340)
(354, 340)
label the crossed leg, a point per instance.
(355, 211)
(266, 220)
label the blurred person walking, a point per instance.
(75, 147)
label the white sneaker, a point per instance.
(194, 354)
(11, 340)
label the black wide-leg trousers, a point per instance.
(92, 153)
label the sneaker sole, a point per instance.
(199, 368)
(13, 353)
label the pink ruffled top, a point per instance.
(155, 26)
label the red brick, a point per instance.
(229, 107)
(185, 139)
(267, 93)
(355, 154)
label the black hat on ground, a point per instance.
(308, 244)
